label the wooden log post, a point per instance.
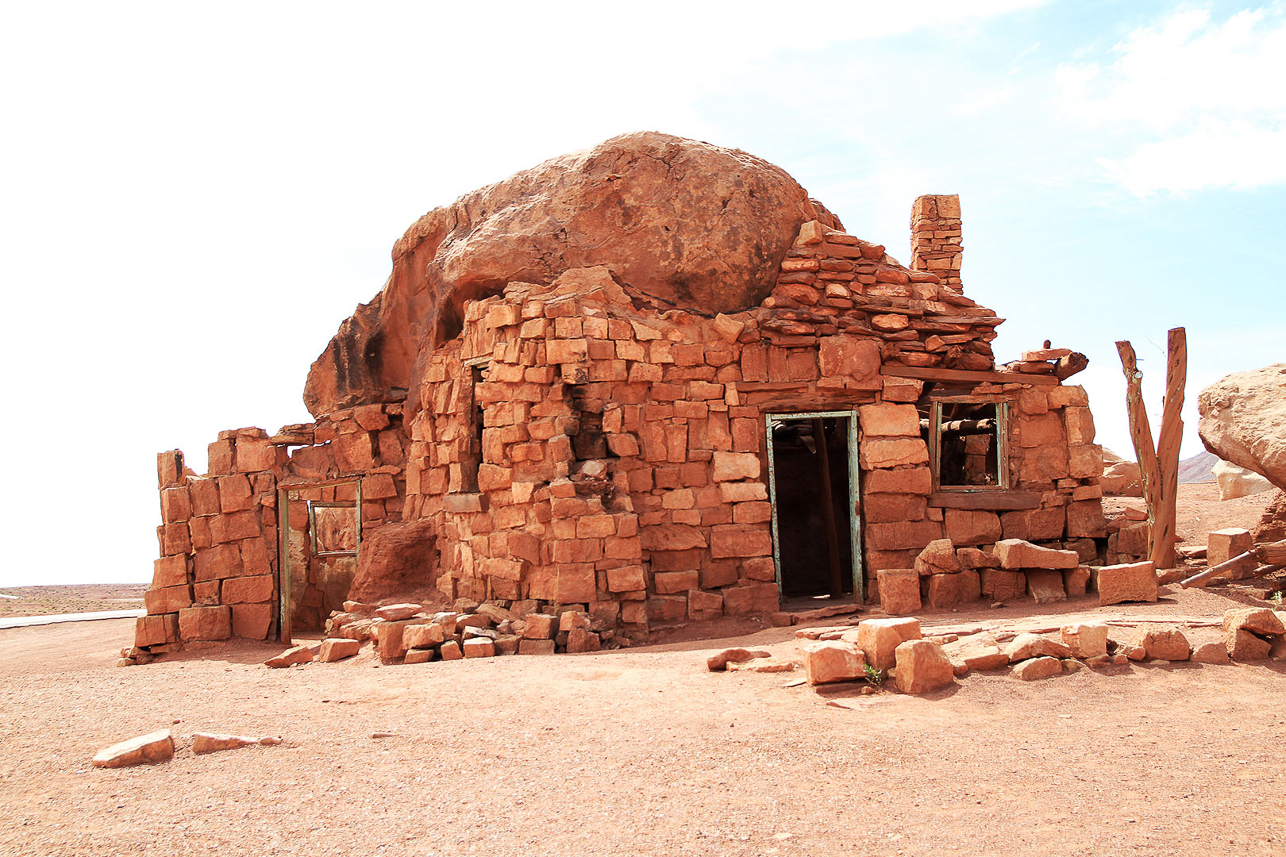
(1159, 466)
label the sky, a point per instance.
(194, 196)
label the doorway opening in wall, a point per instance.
(319, 540)
(813, 485)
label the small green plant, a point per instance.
(874, 677)
(1277, 600)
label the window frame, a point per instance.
(1003, 479)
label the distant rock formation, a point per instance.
(694, 225)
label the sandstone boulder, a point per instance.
(922, 667)
(1210, 653)
(1038, 668)
(145, 749)
(396, 558)
(1120, 478)
(938, 557)
(899, 590)
(1135, 581)
(1237, 481)
(1017, 553)
(690, 223)
(719, 661)
(879, 639)
(213, 742)
(1026, 646)
(1243, 420)
(302, 654)
(1086, 639)
(830, 661)
(336, 649)
(1161, 642)
(1256, 620)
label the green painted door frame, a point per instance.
(771, 421)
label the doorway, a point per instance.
(320, 537)
(813, 486)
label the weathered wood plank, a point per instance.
(985, 499)
(968, 376)
(1140, 430)
(1168, 441)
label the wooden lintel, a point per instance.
(985, 499)
(933, 373)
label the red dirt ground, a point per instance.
(639, 752)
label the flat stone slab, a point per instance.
(142, 750)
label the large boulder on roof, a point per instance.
(696, 225)
(1243, 420)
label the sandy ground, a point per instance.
(641, 752)
(75, 598)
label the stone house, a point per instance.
(581, 441)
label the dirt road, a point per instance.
(631, 752)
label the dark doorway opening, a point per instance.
(812, 505)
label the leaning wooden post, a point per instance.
(1168, 442)
(1158, 467)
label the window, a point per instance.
(967, 444)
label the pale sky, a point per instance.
(193, 197)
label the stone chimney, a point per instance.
(935, 238)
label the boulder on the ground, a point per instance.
(1243, 420)
(1237, 481)
(692, 224)
(1257, 620)
(1085, 639)
(976, 652)
(1243, 645)
(1120, 478)
(922, 667)
(828, 661)
(213, 742)
(1045, 585)
(1133, 581)
(144, 749)
(1038, 668)
(1161, 642)
(1026, 646)
(336, 649)
(301, 654)
(879, 638)
(720, 660)
(1210, 653)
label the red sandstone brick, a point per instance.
(353, 452)
(175, 539)
(750, 598)
(909, 535)
(887, 508)
(740, 540)
(176, 506)
(254, 557)
(247, 590)
(167, 599)
(220, 458)
(170, 571)
(758, 568)
(234, 527)
(252, 621)
(674, 582)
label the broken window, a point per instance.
(966, 443)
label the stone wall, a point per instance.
(583, 446)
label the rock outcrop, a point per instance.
(1243, 420)
(685, 222)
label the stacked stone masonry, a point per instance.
(581, 445)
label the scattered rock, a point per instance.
(1210, 653)
(879, 638)
(397, 612)
(762, 665)
(922, 667)
(828, 661)
(720, 661)
(1256, 620)
(419, 656)
(450, 650)
(479, 647)
(1135, 581)
(1038, 668)
(1086, 639)
(1242, 645)
(301, 654)
(1161, 642)
(212, 742)
(1026, 646)
(145, 749)
(336, 649)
